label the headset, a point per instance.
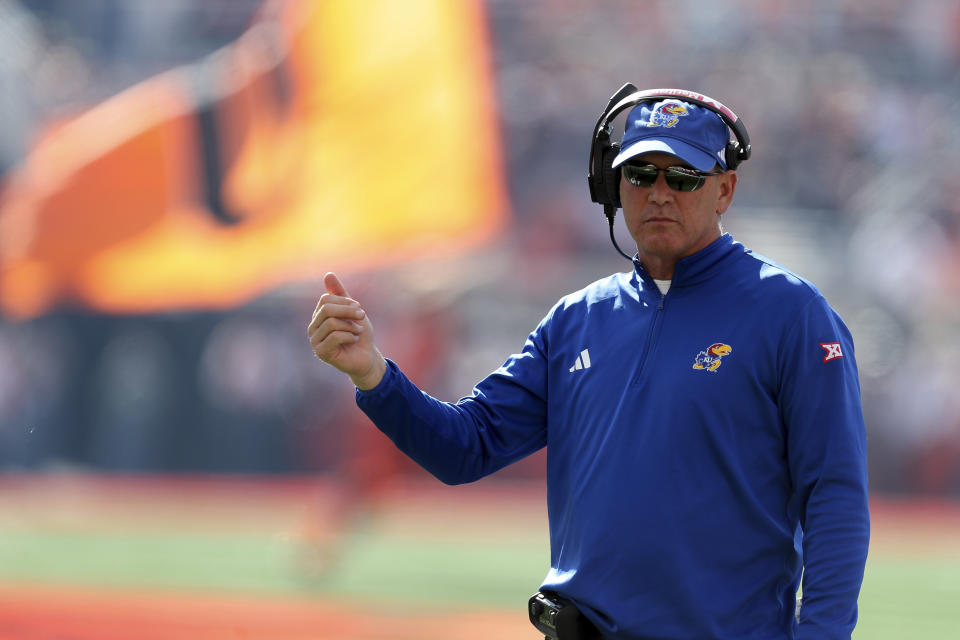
(604, 181)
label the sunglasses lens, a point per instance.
(640, 176)
(680, 180)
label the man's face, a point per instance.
(668, 225)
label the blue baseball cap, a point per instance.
(696, 135)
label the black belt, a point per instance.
(559, 619)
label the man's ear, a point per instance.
(728, 185)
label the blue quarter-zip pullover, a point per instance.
(704, 447)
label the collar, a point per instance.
(697, 267)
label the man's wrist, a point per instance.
(372, 378)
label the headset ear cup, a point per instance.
(611, 176)
(732, 155)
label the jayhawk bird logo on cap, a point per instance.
(667, 114)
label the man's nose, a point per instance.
(660, 193)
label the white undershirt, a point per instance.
(663, 285)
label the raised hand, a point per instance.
(341, 335)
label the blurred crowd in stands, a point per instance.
(854, 113)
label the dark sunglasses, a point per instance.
(678, 178)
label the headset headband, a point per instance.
(689, 96)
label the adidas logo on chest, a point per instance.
(582, 361)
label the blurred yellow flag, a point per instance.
(331, 135)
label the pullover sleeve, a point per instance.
(502, 421)
(826, 449)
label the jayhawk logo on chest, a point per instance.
(710, 359)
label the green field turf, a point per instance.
(491, 559)
(910, 598)
(401, 571)
(915, 598)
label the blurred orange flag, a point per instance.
(332, 135)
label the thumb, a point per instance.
(334, 286)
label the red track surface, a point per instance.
(29, 612)
(47, 613)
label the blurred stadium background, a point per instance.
(177, 176)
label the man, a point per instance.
(702, 416)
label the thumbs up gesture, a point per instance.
(341, 335)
